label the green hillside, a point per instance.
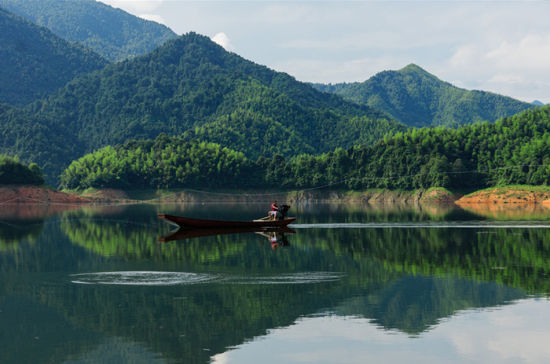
(113, 33)
(35, 62)
(189, 85)
(513, 150)
(510, 151)
(417, 98)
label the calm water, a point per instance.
(351, 285)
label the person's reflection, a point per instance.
(275, 239)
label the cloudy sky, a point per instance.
(499, 46)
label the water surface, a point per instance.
(352, 284)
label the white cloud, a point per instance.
(334, 71)
(512, 67)
(531, 52)
(153, 17)
(135, 6)
(144, 9)
(223, 40)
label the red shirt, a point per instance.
(274, 207)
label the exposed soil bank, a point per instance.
(439, 196)
(46, 195)
(37, 195)
(512, 195)
(524, 195)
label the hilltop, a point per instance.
(189, 85)
(112, 33)
(35, 62)
(417, 98)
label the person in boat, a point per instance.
(274, 210)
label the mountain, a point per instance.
(189, 85)
(112, 33)
(511, 151)
(417, 98)
(35, 62)
(537, 103)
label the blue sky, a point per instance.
(499, 46)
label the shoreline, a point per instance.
(502, 196)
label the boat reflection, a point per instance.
(275, 235)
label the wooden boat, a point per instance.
(186, 233)
(189, 222)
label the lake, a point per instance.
(350, 284)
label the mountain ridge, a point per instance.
(188, 85)
(418, 98)
(35, 62)
(110, 32)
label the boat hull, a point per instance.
(189, 222)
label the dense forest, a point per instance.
(189, 85)
(35, 62)
(167, 162)
(417, 98)
(513, 150)
(113, 33)
(12, 172)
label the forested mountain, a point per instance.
(112, 33)
(513, 150)
(189, 85)
(35, 62)
(417, 98)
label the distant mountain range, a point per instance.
(35, 62)
(417, 98)
(189, 85)
(110, 32)
(192, 88)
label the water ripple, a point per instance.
(142, 278)
(145, 278)
(293, 278)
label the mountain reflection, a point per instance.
(104, 283)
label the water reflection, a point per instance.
(271, 234)
(100, 279)
(510, 334)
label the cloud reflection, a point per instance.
(508, 334)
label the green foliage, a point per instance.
(189, 85)
(513, 150)
(34, 62)
(162, 163)
(12, 172)
(113, 33)
(417, 98)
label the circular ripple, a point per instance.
(141, 278)
(295, 278)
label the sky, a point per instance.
(498, 46)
